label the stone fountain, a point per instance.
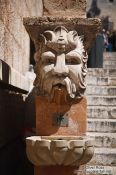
(62, 43)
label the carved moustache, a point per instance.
(67, 83)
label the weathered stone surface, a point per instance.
(109, 64)
(13, 34)
(109, 60)
(113, 113)
(104, 156)
(101, 90)
(36, 26)
(101, 125)
(94, 80)
(109, 56)
(101, 100)
(103, 139)
(65, 8)
(112, 81)
(99, 72)
(106, 112)
(101, 81)
(102, 113)
(2, 30)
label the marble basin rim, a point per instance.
(59, 150)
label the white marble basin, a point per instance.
(59, 150)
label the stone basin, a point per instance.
(59, 150)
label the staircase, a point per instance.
(101, 96)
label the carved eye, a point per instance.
(73, 58)
(48, 58)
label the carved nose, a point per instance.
(60, 68)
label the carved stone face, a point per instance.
(61, 63)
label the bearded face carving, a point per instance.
(61, 61)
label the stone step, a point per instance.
(103, 139)
(100, 81)
(100, 170)
(101, 90)
(103, 112)
(101, 125)
(101, 100)
(109, 64)
(104, 156)
(109, 56)
(102, 72)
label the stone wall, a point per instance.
(14, 40)
(14, 61)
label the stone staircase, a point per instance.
(101, 96)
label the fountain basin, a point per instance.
(59, 150)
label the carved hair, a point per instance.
(72, 40)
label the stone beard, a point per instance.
(61, 62)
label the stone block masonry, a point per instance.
(14, 63)
(14, 41)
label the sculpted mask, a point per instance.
(61, 61)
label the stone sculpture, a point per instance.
(61, 144)
(61, 62)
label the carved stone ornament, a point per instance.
(61, 62)
(61, 45)
(72, 151)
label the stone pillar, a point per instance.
(62, 44)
